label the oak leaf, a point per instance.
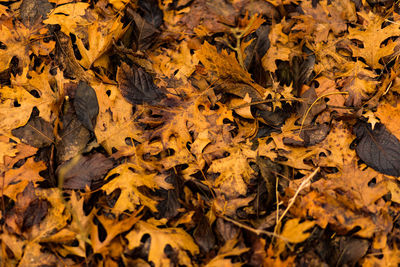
(358, 81)
(101, 35)
(15, 180)
(389, 115)
(129, 178)
(115, 122)
(69, 16)
(234, 170)
(113, 228)
(372, 35)
(16, 38)
(226, 66)
(177, 238)
(295, 231)
(19, 100)
(230, 248)
(325, 16)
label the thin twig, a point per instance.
(268, 101)
(253, 230)
(293, 199)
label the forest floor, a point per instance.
(199, 133)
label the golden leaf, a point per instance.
(178, 239)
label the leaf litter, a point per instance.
(199, 133)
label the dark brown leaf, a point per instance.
(74, 136)
(85, 171)
(137, 85)
(37, 133)
(151, 12)
(378, 148)
(86, 105)
(35, 213)
(144, 33)
(33, 10)
(204, 235)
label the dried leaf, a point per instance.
(37, 133)
(151, 12)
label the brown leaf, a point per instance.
(35, 213)
(83, 172)
(37, 133)
(137, 85)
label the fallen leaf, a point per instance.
(137, 85)
(378, 148)
(178, 239)
(295, 231)
(86, 105)
(82, 173)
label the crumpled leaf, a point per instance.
(86, 105)
(378, 148)
(137, 86)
